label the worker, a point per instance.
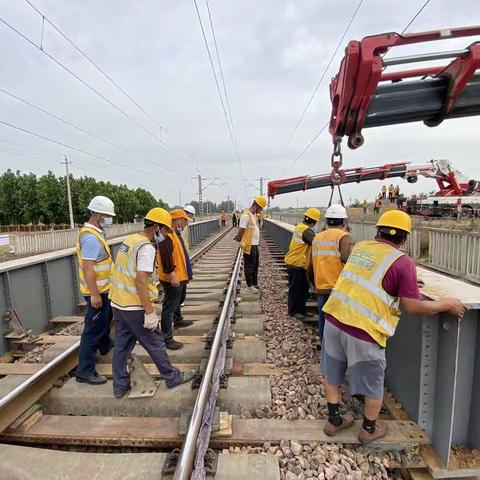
(133, 292)
(330, 251)
(249, 237)
(365, 208)
(95, 269)
(363, 312)
(384, 192)
(297, 261)
(234, 219)
(175, 271)
(377, 205)
(223, 218)
(390, 192)
(190, 212)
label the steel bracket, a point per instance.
(197, 379)
(170, 464)
(143, 384)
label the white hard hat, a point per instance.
(190, 209)
(101, 204)
(336, 211)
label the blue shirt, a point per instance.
(91, 247)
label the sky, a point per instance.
(272, 52)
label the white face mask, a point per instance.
(107, 222)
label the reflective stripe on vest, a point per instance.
(179, 260)
(359, 299)
(298, 254)
(102, 269)
(124, 290)
(326, 258)
(247, 238)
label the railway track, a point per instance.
(260, 364)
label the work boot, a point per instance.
(331, 430)
(94, 379)
(381, 430)
(183, 323)
(185, 377)
(173, 345)
(122, 394)
(251, 289)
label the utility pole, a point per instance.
(180, 198)
(69, 193)
(200, 195)
(261, 185)
(228, 203)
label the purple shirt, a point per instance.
(399, 281)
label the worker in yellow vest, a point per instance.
(95, 268)
(175, 271)
(249, 237)
(363, 312)
(134, 289)
(330, 251)
(297, 261)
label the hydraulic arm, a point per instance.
(364, 95)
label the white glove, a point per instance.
(151, 321)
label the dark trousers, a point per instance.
(177, 316)
(234, 222)
(250, 266)
(172, 299)
(321, 301)
(95, 336)
(223, 223)
(128, 330)
(298, 288)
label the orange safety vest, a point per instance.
(179, 261)
(326, 258)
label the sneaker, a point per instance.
(251, 289)
(331, 430)
(381, 430)
(183, 324)
(122, 394)
(182, 304)
(94, 379)
(256, 288)
(184, 378)
(173, 345)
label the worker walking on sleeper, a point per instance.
(330, 251)
(249, 237)
(134, 289)
(95, 268)
(363, 312)
(175, 271)
(297, 261)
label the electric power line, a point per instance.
(347, 28)
(94, 90)
(80, 150)
(80, 129)
(314, 139)
(105, 74)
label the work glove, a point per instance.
(150, 321)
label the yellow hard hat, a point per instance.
(160, 216)
(395, 219)
(313, 213)
(261, 201)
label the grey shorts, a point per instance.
(363, 361)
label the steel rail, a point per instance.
(187, 454)
(14, 403)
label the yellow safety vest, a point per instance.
(124, 291)
(246, 242)
(102, 269)
(359, 299)
(298, 254)
(326, 258)
(179, 261)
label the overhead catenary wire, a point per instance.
(82, 130)
(106, 75)
(312, 96)
(85, 152)
(99, 94)
(317, 135)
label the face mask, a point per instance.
(159, 237)
(107, 222)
